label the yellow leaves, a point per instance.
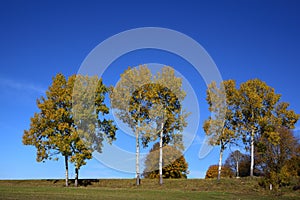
(253, 109)
(212, 172)
(53, 130)
(257, 97)
(273, 137)
(221, 126)
(141, 99)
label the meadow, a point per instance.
(244, 188)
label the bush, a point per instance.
(212, 172)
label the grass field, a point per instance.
(125, 189)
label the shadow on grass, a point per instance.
(81, 182)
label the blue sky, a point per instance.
(246, 39)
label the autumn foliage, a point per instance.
(57, 129)
(212, 172)
(174, 163)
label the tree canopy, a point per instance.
(54, 131)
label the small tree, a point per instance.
(239, 163)
(274, 158)
(213, 172)
(174, 166)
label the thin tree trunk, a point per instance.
(237, 168)
(161, 155)
(252, 153)
(67, 171)
(76, 176)
(137, 162)
(220, 162)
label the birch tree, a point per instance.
(151, 106)
(221, 126)
(234, 161)
(165, 97)
(126, 100)
(257, 101)
(166, 115)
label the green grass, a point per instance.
(149, 189)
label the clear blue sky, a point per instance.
(38, 39)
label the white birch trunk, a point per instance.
(237, 168)
(76, 176)
(67, 171)
(252, 153)
(220, 162)
(137, 163)
(161, 154)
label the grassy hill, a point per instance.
(245, 188)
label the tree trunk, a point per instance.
(76, 176)
(67, 171)
(252, 153)
(220, 162)
(137, 160)
(237, 168)
(161, 155)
